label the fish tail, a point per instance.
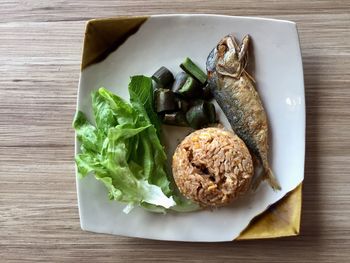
(269, 176)
(266, 174)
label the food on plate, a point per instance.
(212, 167)
(183, 100)
(176, 118)
(179, 81)
(183, 105)
(234, 90)
(191, 68)
(200, 114)
(190, 88)
(165, 101)
(163, 77)
(124, 151)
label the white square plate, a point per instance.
(165, 41)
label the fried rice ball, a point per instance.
(212, 167)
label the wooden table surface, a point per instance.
(40, 52)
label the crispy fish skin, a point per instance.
(234, 90)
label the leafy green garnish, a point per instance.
(141, 91)
(124, 151)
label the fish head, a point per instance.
(231, 58)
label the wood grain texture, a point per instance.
(40, 51)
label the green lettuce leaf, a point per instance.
(141, 91)
(123, 150)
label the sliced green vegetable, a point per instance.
(183, 105)
(196, 116)
(180, 80)
(176, 118)
(192, 69)
(163, 77)
(165, 101)
(190, 89)
(206, 93)
(156, 85)
(186, 86)
(210, 108)
(201, 114)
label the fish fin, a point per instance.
(269, 176)
(266, 175)
(249, 76)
